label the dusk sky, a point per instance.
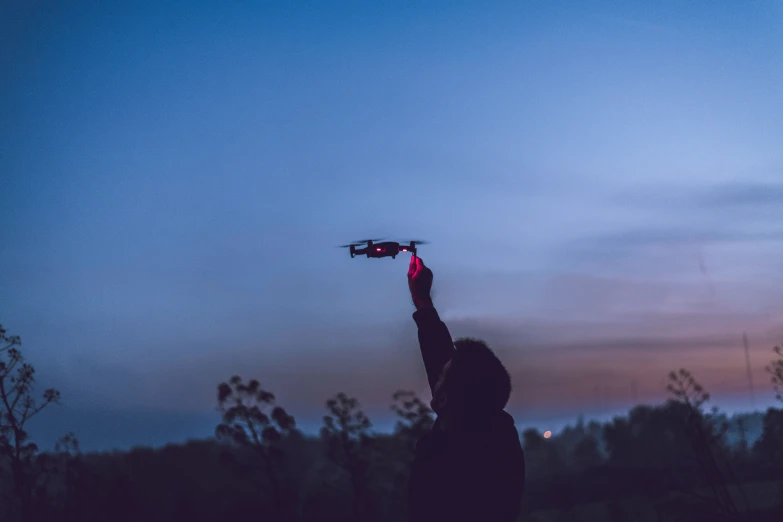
(601, 184)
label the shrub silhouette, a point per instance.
(673, 461)
(414, 418)
(18, 405)
(247, 425)
(706, 434)
(348, 444)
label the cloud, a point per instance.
(741, 194)
(558, 366)
(684, 235)
(372, 363)
(656, 228)
(708, 201)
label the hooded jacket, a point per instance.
(474, 473)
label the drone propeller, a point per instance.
(362, 241)
(350, 245)
(416, 242)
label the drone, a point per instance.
(379, 248)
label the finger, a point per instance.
(412, 266)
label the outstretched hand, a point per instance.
(420, 283)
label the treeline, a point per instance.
(675, 461)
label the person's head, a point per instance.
(474, 383)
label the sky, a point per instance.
(601, 184)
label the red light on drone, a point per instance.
(378, 249)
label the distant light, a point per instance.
(378, 249)
(547, 434)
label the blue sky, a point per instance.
(602, 185)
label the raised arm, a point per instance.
(435, 340)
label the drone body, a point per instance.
(378, 248)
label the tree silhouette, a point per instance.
(586, 454)
(544, 457)
(348, 444)
(707, 439)
(74, 476)
(634, 467)
(17, 406)
(659, 430)
(414, 418)
(769, 447)
(246, 424)
(776, 371)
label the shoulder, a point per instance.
(500, 446)
(494, 434)
(502, 428)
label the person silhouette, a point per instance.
(470, 466)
